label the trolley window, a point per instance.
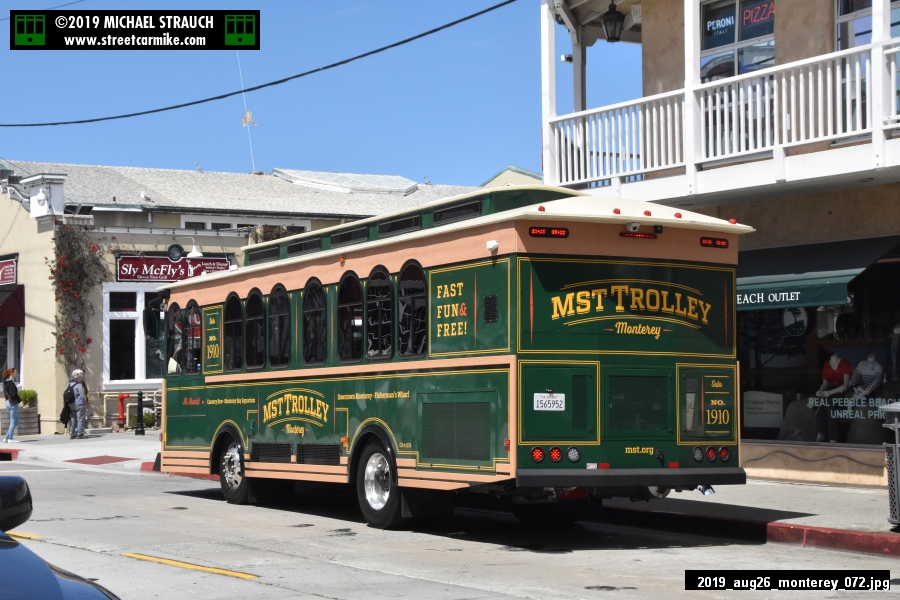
(255, 331)
(263, 255)
(174, 353)
(350, 319)
(412, 310)
(304, 247)
(314, 324)
(191, 338)
(350, 237)
(398, 226)
(233, 334)
(279, 327)
(379, 315)
(460, 212)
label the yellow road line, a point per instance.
(184, 565)
(22, 536)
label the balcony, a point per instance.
(821, 123)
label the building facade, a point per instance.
(782, 114)
(153, 226)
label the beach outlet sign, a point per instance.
(163, 269)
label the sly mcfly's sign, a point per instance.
(162, 268)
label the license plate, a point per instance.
(549, 402)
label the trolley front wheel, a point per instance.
(379, 496)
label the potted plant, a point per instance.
(29, 420)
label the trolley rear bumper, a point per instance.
(671, 478)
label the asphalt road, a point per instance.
(316, 546)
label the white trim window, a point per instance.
(853, 20)
(736, 37)
(11, 348)
(212, 222)
(129, 358)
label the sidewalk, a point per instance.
(94, 450)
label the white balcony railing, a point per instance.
(821, 99)
(622, 140)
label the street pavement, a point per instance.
(87, 518)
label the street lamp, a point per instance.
(194, 253)
(613, 21)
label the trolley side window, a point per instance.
(350, 319)
(279, 327)
(255, 331)
(234, 334)
(191, 339)
(174, 353)
(412, 311)
(379, 315)
(314, 324)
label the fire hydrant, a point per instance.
(120, 420)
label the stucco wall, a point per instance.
(662, 46)
(862, 212)
(803, 28)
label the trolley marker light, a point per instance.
(537, 454)
(642, 236)
(549, 232)
(555, 454)
(723, 454)
(709, 242)
(698, 453)
(574, 454)
(711, 454)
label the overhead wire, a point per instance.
(270, 83)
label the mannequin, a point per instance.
(867, 376)
(835, 376)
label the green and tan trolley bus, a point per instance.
(532, 343)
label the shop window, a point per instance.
(121, 349)
(279, 327)
(379, 315)
(153, 347)
(194, 225)
(737, 37)
(314, 323)
(11, 348)
(218, 226)
(122, 301)
(412, 310)
(233, 332)
(174, 352)
(350, 319)
(255, 331)
(192, 340)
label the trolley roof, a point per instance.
(569, 205)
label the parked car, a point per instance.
(23, 573)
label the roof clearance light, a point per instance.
(708, 242)
(541, 209)
(711, 454)
(548, 232)
(643, 236)
(647, 212)
(677, 215)
(537, 454)
(723, 454)
(555, 454)
(616, 211)
(732, 221)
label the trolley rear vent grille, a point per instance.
(271, 452)
(579, 402)
(491, 312)
(319, 454)
(456, 430)
(639, 403)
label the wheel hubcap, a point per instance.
(377, 480)
(231, 466)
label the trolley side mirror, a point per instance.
(151, 323)
(15, 502)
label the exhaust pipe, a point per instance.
(706, 490)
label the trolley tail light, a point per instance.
(723, 454)
(537, 454)
(709, 242)
(548, 232)
(711, 454)
(555, 454)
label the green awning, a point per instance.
(805, 275)
(825, 288)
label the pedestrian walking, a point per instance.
(76, 399)
(11, 391)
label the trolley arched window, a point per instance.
(192, 340)
(174, 353)
(350, 319)
(233, 331)
(379, 315)
(279, 327)
(412, 312)
(255, 331)
(314, 323)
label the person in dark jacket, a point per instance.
(11, 391)
(79, 407)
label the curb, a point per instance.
(868, 542)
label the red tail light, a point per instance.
(555, 454)
(711, 454)
(537, 454)
(506, 444)
(723, 454)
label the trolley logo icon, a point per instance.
(303, 405)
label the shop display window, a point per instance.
(737, 36)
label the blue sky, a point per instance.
(456, 106)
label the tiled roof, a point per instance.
(311, 193)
